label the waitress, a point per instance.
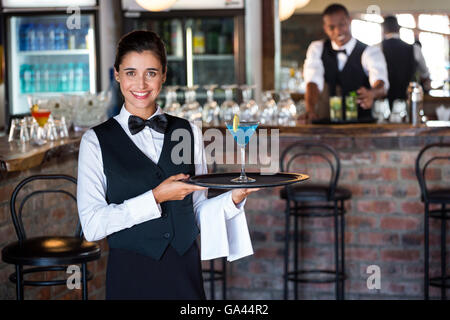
(342, 62)
(130, 189)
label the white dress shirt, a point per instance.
(223, 226)
(372, 60)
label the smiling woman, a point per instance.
(130, 188)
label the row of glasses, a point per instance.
(283, 113)
(37, 129)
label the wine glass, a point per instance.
(229, 107)
(242, 131)
(41, 116)
(210, 113)
(191, 110)
(248, 108)
(268, 108)
(287, 111)
(172, 106)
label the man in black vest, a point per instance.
(343, 64)
(405, 62)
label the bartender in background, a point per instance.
(405, 62)
(342, 61)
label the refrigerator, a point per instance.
(204, 41)
(51, 49)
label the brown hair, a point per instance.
(139, 41)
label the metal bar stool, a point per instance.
(46, 253)
(434, 153)
(212, 274)
(314, 201)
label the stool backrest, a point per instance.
(430, 154)
(317, 151)
(16, 213)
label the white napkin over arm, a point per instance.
(223, 228)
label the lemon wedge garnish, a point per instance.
(235, 122)
(34, 108)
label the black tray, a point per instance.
(223, 180)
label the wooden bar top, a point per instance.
(20, 157)
(15, 157)
(355, 130)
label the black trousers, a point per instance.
(130, 275)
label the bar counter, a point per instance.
(384, 221)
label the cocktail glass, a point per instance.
(242, 135)
(41, 116)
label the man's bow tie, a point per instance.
(340, 51)
(157, 123)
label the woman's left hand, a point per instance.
(238, 195)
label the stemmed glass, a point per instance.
(242, 131)
(287, 110)
(41, 116)
(268, 108)
(248, 108)
(191, 110)
(211, 109)
(172, 106)
(229, 107)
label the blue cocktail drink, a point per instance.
(242, 131)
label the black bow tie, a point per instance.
(340, 51)
(157, 123)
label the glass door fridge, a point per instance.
(49, 52)
(204, 46)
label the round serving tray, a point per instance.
(223, 180)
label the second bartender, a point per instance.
(340, 65)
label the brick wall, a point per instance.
(50, 214)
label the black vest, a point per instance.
(401, 67)
(350, 78)
(129, 173)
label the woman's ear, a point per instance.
(116, 75)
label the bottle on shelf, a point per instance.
(81, 37)
(78, 80)
(198, 42)
(37, 77)
(53, 78)
(45, 79)
(63, 78)
(23, 37)
(31, 37)
(40, 37)
(51, 39)
(176, 38)
(71, 77)
(23, 75)
(71, 41)
(85, 86)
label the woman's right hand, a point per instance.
(174, 189)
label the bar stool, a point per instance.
(46, 253)
(213, 275)
(318, 200)
(438, 152)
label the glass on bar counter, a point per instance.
(335, 108)
(351, 107)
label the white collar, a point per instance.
(348, 47)
(393, 35)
